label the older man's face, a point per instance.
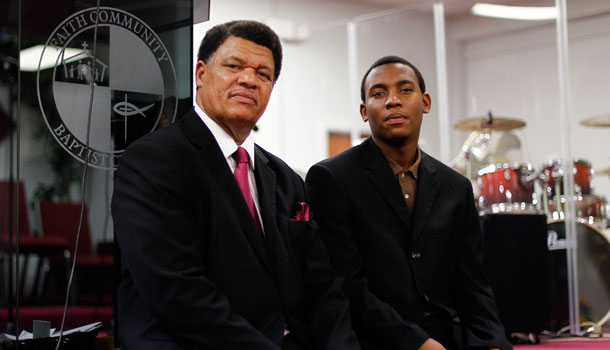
(235, 85)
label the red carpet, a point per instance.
(77, 316)
(572, 344)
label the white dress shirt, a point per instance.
(228, 147)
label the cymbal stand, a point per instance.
(545, 200)
(468, 158)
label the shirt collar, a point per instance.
(225, 141)
(413, 169)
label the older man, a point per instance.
(218, 250)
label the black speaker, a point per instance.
(518, 265)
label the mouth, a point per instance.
(395, 118)
(244, 97)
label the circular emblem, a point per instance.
(127, 84)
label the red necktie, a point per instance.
(241, 176)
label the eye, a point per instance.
(232, 66)
(377, 93)
(406, 89)
(265, 76)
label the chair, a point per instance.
(94, 272)
(29, 245)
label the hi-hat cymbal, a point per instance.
(486, 123)
(605, 171)
(597, 121)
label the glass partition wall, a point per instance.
(9, 67)
(506, 130)
(87, 78)
(589, 144)
(521, 95)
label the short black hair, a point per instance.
(388, 60)
(257, 32)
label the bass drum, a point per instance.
(593, 253)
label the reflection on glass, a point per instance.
(92, 82)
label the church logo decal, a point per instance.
(133, 79)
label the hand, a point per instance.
(431, 344)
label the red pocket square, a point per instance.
(302, 212)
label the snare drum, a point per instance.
(593, 256)
(505, 187)
(553, 174)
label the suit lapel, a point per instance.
(204, 141)
(427, 188)
(266, 185)
(381, 176)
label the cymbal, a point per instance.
(605, 171)
(597, 121)
(482, 123)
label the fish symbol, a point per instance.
(127, 109)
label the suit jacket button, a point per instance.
(415, 255)
(426, 297)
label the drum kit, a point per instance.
(503, 187)
(516, 187)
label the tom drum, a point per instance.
(506, 187)
(552, 175)
(590, 209)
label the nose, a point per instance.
(392, 100)
(247, 78)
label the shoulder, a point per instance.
(176, 133)
(284, 173)
(446, 174)
(342, 172)
(163, 145)
(345, 162)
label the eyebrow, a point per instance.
(377, 86)
(241, 61)
(406, 81)
(384, 86)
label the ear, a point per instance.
(427, 102)
(363, 112)
(200, 70)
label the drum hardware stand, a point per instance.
(598, 326)
(545, 202)
(490, 118)
(558, 200)
(468, 157)
(589, 329)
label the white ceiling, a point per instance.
(453, 8)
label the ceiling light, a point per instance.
(514, 12)
(30, 58)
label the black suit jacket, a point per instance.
(394, 262)
(196, 272)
